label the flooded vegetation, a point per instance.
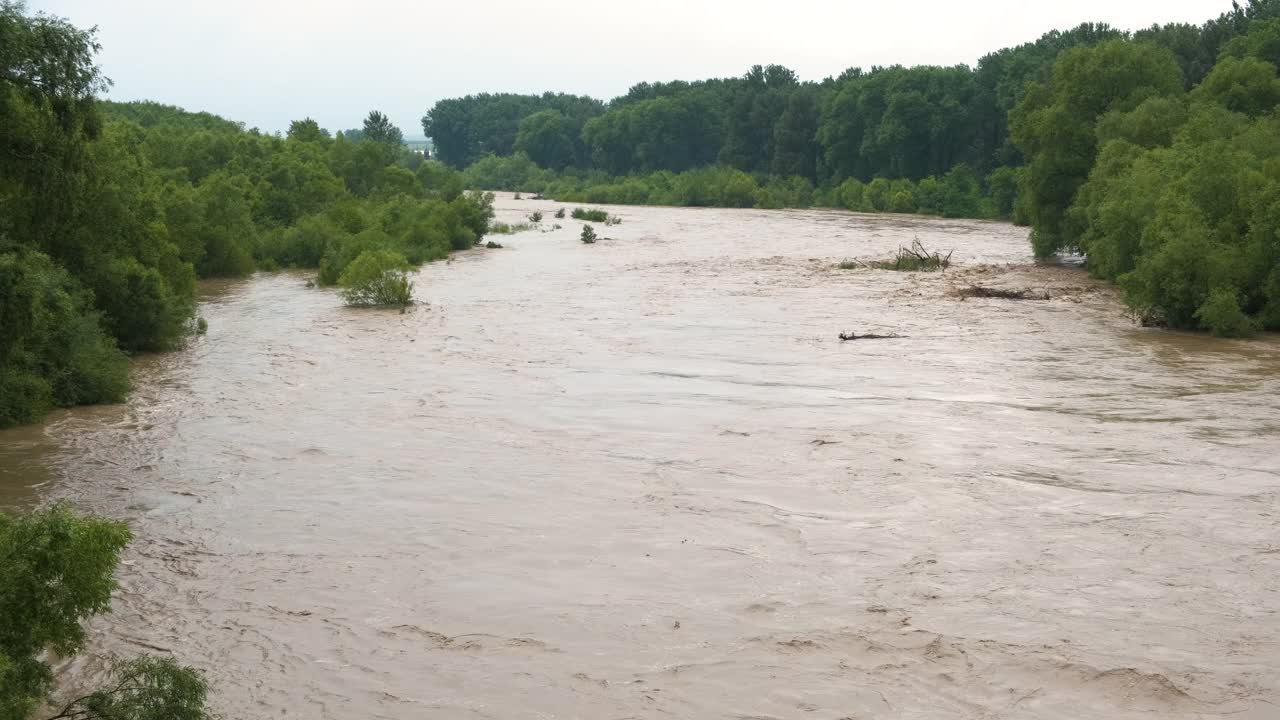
(651, 480)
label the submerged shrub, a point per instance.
(588, 234)
(377, 277)
(535, 216)
(915, 259)
(514, 172)
(509, 228)
(590, 215)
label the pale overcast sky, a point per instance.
(266, 62)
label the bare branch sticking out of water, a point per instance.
(916, 258)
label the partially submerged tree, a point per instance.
(379, 128)
(146, 688)
(377, 277)
(56, 570)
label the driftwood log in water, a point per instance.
(845, 337)
(978, 291)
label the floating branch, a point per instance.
(845, 337)
(978, 291)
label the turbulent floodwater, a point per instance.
(643, 479)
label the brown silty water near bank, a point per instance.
(644, 479)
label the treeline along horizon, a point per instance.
(1150, 152)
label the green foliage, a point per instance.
(535, 216)
(136, 200)
(958, 194)
(588, 234)
(509, 229)
(1055, 125)
(913, 259)
(379, 129)
(784, 192)
(377, 278)
(961, 193)
(225, 229)
(1002, 187)
(145, 688)
(53, 350)
(673, 133)
(1243, 85)
(463, 130)
(550, 139)
(55, 571)
(512, 173)
(305, 244)
(592, 215)
(1182, 202)
(1222, 314)
(560, 214)
(307, 130)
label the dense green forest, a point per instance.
(110, 212)
(1153, 153)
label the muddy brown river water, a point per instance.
(643, 479)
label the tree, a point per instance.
(754, 107)
(307, 130)
(549, 139)
(377, 277)
(1245, 85)
(1054, 125)
(795, 142)
(53, 350)
(378, 128)
(56, 570)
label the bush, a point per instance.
(375, 278)
(1002, 187)
(902, 202)
(851, 195)
(961, 194)
(560, 214)
(535, 216)
(1221, 313)
(590, 215)
(54, 351)
(785, 192)
(914, 259)
(509, 229)
(588, 234)
(338, 258)
(511, 173)
(56, 570)
(877, 195)
(304, 244)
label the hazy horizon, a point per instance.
(319, 59)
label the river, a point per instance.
(644, 479)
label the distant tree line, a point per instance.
(1147, 151)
